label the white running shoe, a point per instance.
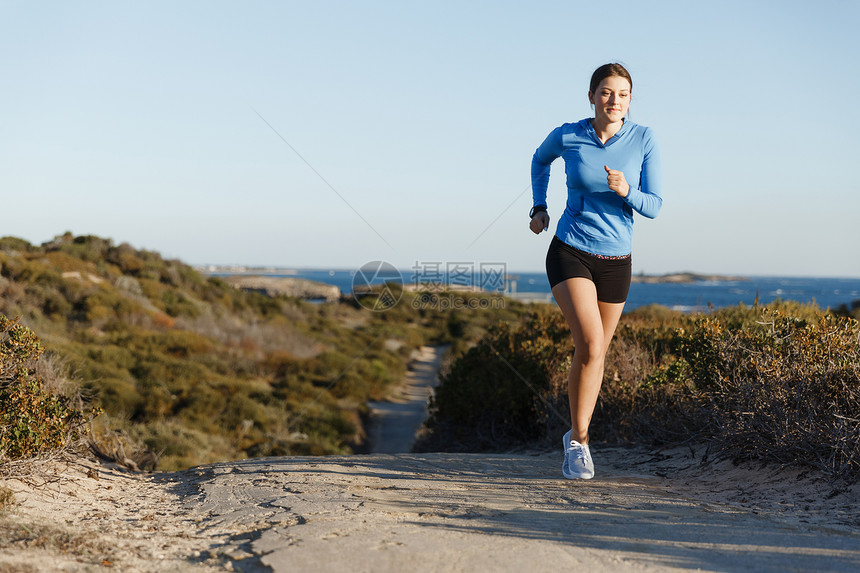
(578, 462)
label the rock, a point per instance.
(286, 286)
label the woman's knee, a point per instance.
(591, 351)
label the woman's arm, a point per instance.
(549, 151)
(648, 198)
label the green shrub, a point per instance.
(501, 392)
(14, 245)
(32, 421)
(85, 247)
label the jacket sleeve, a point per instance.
(549, 151)
(648, 198)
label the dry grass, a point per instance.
(17, 568)
(34, 536)
(247, 334)
(110, 443)
(7, 498)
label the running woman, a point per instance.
(613, 169)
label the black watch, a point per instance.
(536, 209)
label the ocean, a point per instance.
(688, 297)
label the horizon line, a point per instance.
(203, 266)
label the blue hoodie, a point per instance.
(596, 220)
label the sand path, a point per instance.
(433, 512)
(443, 512)
(397, 420)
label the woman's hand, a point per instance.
(539, 223)
(617, 182)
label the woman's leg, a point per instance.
(592, 324)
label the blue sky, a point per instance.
(413, 126)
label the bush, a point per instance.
(32, 421)
(786, 390)
(14, 245)
(504, 391)
(779, 384)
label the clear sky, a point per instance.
(332, 133)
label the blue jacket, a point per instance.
(595, 218)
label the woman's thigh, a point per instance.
(577, 299)
(591, 322)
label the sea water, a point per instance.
(698, 295)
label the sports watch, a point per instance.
(536, 209)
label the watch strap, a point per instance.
(536, 209)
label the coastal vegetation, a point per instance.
(188, 369)
(778, 383)
(157, 366)
(35, 417)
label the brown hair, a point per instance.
(606, 71)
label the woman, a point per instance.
(613, 169)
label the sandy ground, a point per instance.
(643, 511)
(433, 512)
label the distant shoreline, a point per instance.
(241, 270)
(686, 278)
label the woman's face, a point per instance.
(611, 99)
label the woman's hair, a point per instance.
(606, 71)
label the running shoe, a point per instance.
(578, 461)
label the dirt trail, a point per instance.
(433, 512)
(397, 420)
(497, 513)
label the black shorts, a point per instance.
(611, 276)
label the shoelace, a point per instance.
(579, 452)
